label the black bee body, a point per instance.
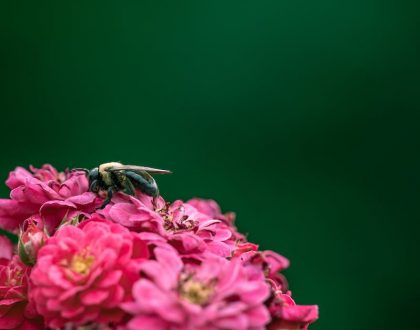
(116, 177)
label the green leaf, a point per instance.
(11, 236)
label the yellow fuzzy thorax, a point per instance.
(106, 177)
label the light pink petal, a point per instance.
(121, 213)
(165, 270)
(150, 299)
(219, 248)
(253, 291)
(238, 322)
(83, 199)
(17, 177)
(258, 316)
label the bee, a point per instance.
(115, 177)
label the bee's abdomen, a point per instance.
(147, 185)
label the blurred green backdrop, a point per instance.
(301, 116)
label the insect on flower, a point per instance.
(115, 177)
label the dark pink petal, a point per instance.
(72, 312)
(54, 212)
(115, 297)
(6, 248)
(187, 242)
(12, 214)
(110, 279)
(94, 297)
(147, 323)
(300, 313)
(140, 249)
(276, 262)
(13, 318)
(54, 305)
(10, 301)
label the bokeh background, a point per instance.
(301, 116)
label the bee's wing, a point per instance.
(137, 168)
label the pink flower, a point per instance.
(84, 273)
(140, 263)
(51, 194)
(217, 294)
(137, 214)
(287, 315)
(15, 311)
(191, 232)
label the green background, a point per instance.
(301, 116)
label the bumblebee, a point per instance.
(115, 177)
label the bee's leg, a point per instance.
(109, 194)
(94, 187)
(129, 188)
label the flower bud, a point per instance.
(30, 241)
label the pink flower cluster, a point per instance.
(137, 264)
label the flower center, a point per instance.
(15, 278)
(81, 263)
(195, 292)
(175, 220)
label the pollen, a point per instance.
(82, 263)
(195, 292)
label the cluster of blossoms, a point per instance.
(137, 264)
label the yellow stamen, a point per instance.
(81, 263)
(195, 292)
